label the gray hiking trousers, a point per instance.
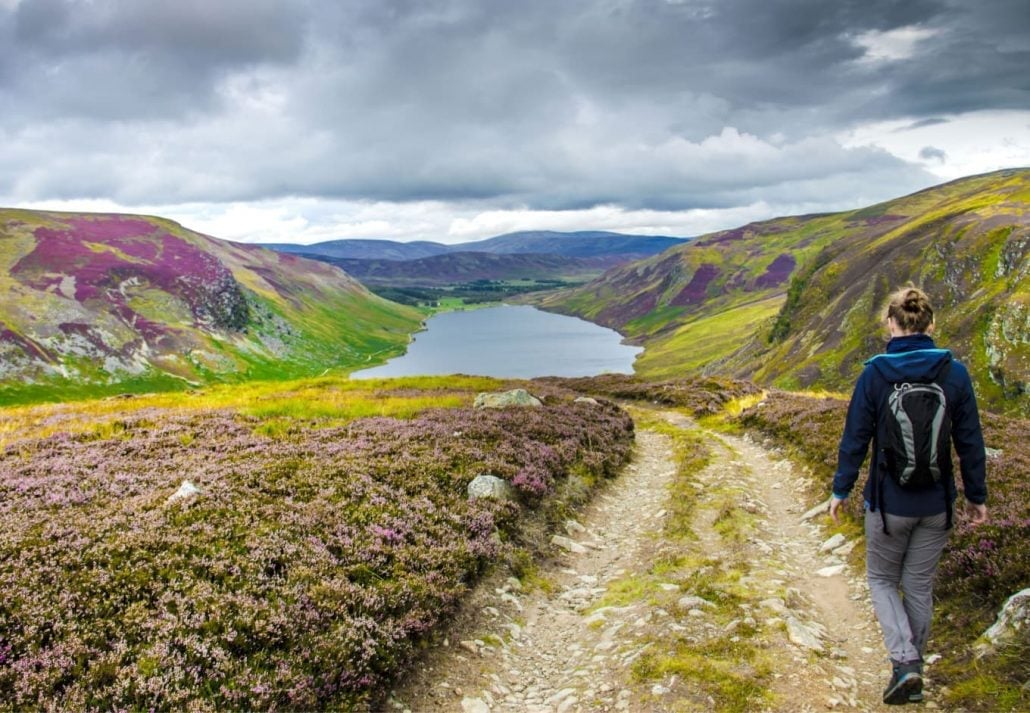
(900, 568)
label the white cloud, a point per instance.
(963, 145)
(892, 45)
(306, 221)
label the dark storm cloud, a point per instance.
(640, 103)
(977, 60)
(126, 59)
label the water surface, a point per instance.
(510, 341)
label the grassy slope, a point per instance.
(952, 244)
(704, 306)
(304, 317)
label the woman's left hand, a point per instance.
(835, 506)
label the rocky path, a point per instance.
(748, 607)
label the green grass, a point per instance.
(705, 339)
(334, 399)
(732, 675)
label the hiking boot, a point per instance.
(916, 696)
(906, 685)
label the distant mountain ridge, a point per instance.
(465, 267)
(543, 242)
(797, 301)
(98, 300)
(360, 249)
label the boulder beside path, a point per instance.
(503, 399)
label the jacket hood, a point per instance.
(911, 358)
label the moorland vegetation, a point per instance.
(324, 546)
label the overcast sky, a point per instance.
(453, 120)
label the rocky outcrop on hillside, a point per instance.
(1007, 345)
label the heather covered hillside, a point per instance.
(93, 303)
(797, 302)
(327, 533)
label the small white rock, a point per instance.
(831, 571)
(186, 491)
(474, 705)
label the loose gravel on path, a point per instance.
(589, 642)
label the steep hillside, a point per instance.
(463, 267)
(104, 302)
(797, 302)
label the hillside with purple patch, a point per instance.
(111, 301)
(797, 302)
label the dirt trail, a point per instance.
(625, 596)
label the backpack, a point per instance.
(917, 436)
(918, 444)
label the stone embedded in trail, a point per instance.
(693, 602)
(831, 571)
(515, 397)
(833, 543)
(587, 400)
(845, 550)
(566, 705)
(474, 705)
(571, 526)
(560, 696)
(490, 486)
(774, 604)
(804, 635)
(819, 509)
(566, 544)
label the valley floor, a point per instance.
(743, 610)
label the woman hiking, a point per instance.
(912, 402)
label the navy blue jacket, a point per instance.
(911, 358)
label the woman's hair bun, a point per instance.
(910, 309)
